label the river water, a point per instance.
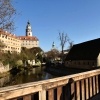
(35, 74)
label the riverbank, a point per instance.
(62, 71)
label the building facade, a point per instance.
(84, 55)
(29, 41)
(11, 42)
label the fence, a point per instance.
(81, 86)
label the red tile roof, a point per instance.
(31, 38)
(7, 33)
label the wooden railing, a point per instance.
(80, 86)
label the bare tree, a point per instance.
(7, 12)
(63, 40)
(70, 44)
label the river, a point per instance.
(35, 74)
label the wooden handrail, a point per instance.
(80, 82)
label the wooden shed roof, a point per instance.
(88, 50)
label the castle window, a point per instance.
(6, 37)
(2, 36)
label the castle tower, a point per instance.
(53, 45)
(28, 29)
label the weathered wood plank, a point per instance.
(94, 86)
(30, 88)
(83, 90)
(73, 91)
(78, 90)
(27, 97)
(87, 89)
(19, 92)
(97, 85)
(51, 94)
(90, 83)
(42, 95)
(59, 93)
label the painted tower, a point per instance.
(28, 29)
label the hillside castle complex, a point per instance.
(13, 43)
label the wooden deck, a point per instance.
(81, 86)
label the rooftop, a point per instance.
(88, 50)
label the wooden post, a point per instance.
(87, 89)
(94, 86)
(83, 90)
(90, 83)
(59, 93)
(73, 91)
(97, 85)
(42, 95)
(78, 90)
(51, 94)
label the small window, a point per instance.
(2, 36)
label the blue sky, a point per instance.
(80, 19)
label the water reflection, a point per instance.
(33, 75)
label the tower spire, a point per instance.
(53, 45)
(28, 29)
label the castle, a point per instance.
(14, 43)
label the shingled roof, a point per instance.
(85, 51)
(7, 33)
(30, 38)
